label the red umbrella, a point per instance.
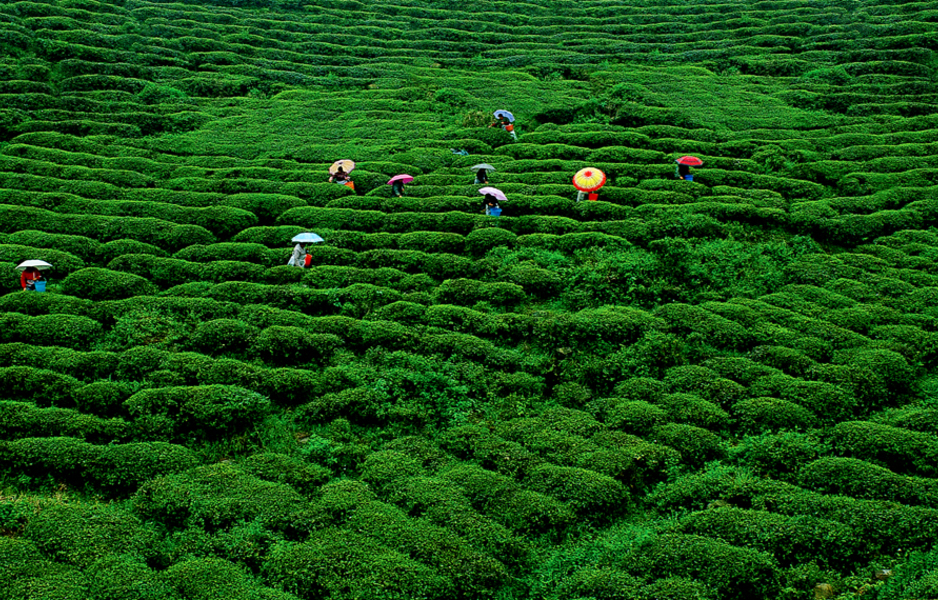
(690, 161)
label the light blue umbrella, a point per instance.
(307, 237)
(506, 114)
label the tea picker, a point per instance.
(31, 277)
(482, 172)
(300, 257)
(505, 119)
(588, 181)
(683, 167)
(397, 184)
(492, 197)
(339, 173)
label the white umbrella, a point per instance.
(307, 238)
(39, 264)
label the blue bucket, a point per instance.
(495, 212)
(40, 286)
(689, 177)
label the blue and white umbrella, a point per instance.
(506, 114)
(307, 238)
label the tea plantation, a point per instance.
(724, 388)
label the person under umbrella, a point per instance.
(490, 202)
(397, 184)
(29, 277)
(340, 176)
(482, 172)
(297, 257)
(491, 198)
(505, 120)
(683, 167)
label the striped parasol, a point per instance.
(589, 179)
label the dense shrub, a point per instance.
(860, 479)
(283, 346)
(214, 497)
(96, 284)
(223, 336)
(346, 565)
(732, 571)
(757, 415)
(79, 534)
(121, 468)
(697, 446)
(791, 540)
(586, 492)
(897, 449)
(202, 411)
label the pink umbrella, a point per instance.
(403, 178)
(499, 195)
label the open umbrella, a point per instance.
(39, 264)
(403, 178)
(499, 195)
(690, 161)
(347, 166)
(506, 114)
(485, 166)
(307, 237)
(589, 179)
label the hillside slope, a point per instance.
(710, 389)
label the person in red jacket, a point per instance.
(28, 276)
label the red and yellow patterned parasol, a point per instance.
(589, 179)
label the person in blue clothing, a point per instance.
(490, 202)
(683, 172)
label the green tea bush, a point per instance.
(121, 468)
(40, 386)
(697, 446)
(223, 336)
(79, 534)
(829, 402)
(765, 414)
(215, 497)
(280, 468)
(779, 456)
(860, 479)
(204, 411)
(468, 292)
(69, 331)
(694, 410)
(897, 449)
(733, 572)
(111, 250)
(20, 420)
(505, 501)
(791, 540)
(345, 565)
(97, 284)
(586, 492)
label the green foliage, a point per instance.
(104, 284)
(215, 497)
(202, 411)
(345, 564)
(79, 534)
